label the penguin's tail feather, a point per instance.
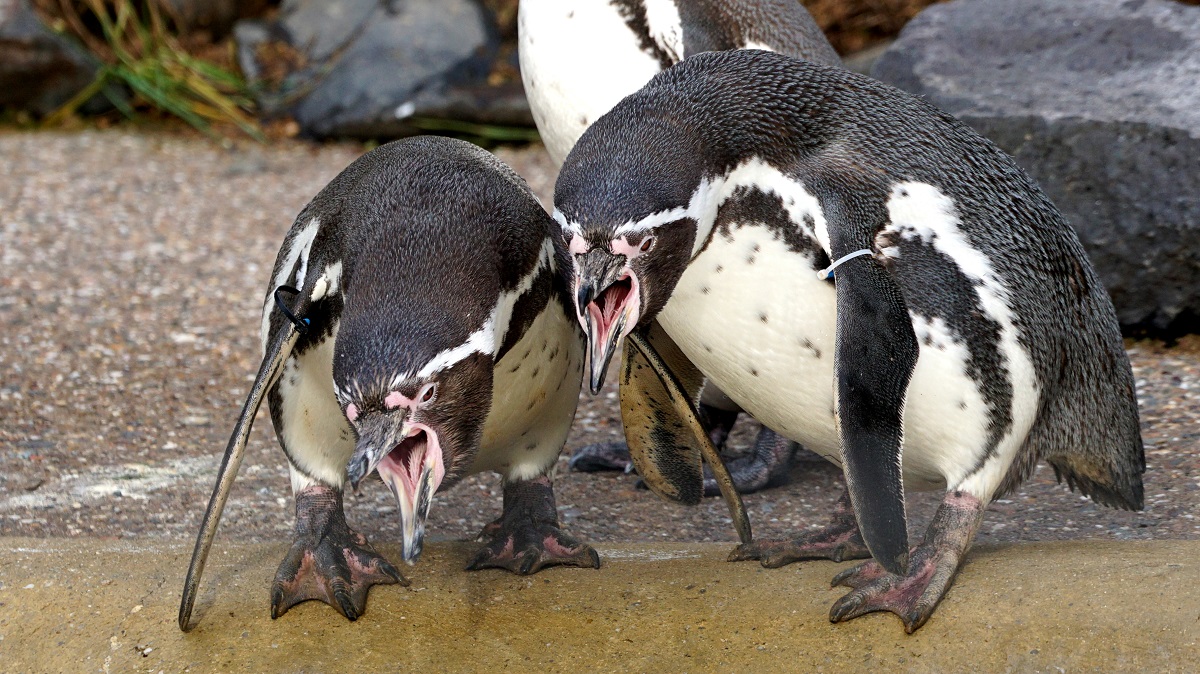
(1123, 494)
(1090, 432)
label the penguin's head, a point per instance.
(622, 280)
(628, 221)
(418, 423)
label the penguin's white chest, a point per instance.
(578, 60)
(750, 314)
(535, 389)
(754, 317)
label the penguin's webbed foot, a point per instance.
(839, 541)
(932, 566)
(527, 538)
(328, 560)
(767, 465)
(600, 456)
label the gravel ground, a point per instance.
(132, 271)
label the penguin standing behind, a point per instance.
(428, 337)
(866, 275)
(579, 58)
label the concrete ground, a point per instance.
(110, 606)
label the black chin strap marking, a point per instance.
(300, 323)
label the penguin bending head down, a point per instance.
(579, 58)
(429, 337)
(867, 276)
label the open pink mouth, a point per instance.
(606, 309)
(413, 470)
(608, 316)
(405, 460)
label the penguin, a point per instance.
(866, 275)
(580, 57)
(416, 327)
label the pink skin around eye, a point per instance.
(396, 399)
(351, 412)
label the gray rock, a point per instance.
(39, 69)
(365, 68)
(1099, 100)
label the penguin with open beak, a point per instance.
(867, 276)
(579, 58)
(415, 327)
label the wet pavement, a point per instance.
(110, 606)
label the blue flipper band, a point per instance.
(828, 271)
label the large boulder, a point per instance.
(367, 68)
(1099, 100)
(39, 69)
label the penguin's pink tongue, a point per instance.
(607, 308)
(413, 470)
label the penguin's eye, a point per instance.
(647, 244)
(427, 394)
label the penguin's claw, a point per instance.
(328, 560)
(533, 547)
(827, 543)
(932, 566)
(526, 538)
(840, 541)
(912, 597)
(339, 575)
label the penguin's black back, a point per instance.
(429, 232)
(845, 134)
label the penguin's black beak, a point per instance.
(409, 459)
(377, 435)
(607, 302)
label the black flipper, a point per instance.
(660, 388)
(874, 358)
(277, 352)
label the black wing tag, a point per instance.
(659, 390)
(277, 352)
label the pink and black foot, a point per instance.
(839, 541)
(932, 566)
(527, 537)
(328, 560)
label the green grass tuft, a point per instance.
(142, 54)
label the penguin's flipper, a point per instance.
(277, 352)
(659, 391)
(875, 353)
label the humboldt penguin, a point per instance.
(869, 277)
(415, 325)
(580, 57)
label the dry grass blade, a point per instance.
(140, 53)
